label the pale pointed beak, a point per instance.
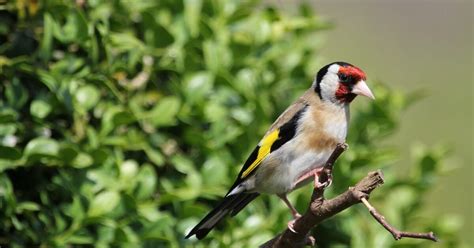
(361, 88)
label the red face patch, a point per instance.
(348, 76)
(353, 72)
(343, 94)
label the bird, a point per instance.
(295, 148)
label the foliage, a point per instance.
(123, 122)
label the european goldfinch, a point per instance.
(295, 148)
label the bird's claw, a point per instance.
(292, 222)
(311, 241)
(318, 185)
(322, 185)
(329, 180)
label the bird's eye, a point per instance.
(343, 78)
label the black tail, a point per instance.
(233, 204)
(248, 198)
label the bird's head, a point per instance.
(340, 83)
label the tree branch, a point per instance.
(321, 209)
(397, 234)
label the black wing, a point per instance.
(234, 203)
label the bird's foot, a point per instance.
(318, 185)
(291, 223)
(329, 179)
(312, 173)
(310, 241)
(326, 177)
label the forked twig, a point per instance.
(397, 234)
(321, 209)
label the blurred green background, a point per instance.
(413, 45)
(424, 45)
(123, 122)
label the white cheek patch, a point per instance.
(330, 83)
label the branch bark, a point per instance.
(321, 209)
(397, 234)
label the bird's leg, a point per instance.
(294, 212)
(309, 174)
(319, 174)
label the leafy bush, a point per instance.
(122, 123)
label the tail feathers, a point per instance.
(250, 197)
(227, 205)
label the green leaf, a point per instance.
(8, 115)
(214, 170)
(18, 225)
(42, 146)
(149, 211)
(27, 206)
(128, 169)
(155, 156)
(49, 80)
(216, 56)
(192, 14)
(146, 182)
(183, 164)
(165, 111)
(81, 240)
(158, 227)
(87, 97)
(9, 153)
(47, 40)
(75, 28)
(198, 85)
(82, 160)
(40, 108)
(75, 210)
(126, 42)
(215, 112)
(15, 94)
(68, 153)
(103, 203)
(114, 117)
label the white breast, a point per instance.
(337, 125)
(279, 172)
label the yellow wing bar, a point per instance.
(264, 150)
